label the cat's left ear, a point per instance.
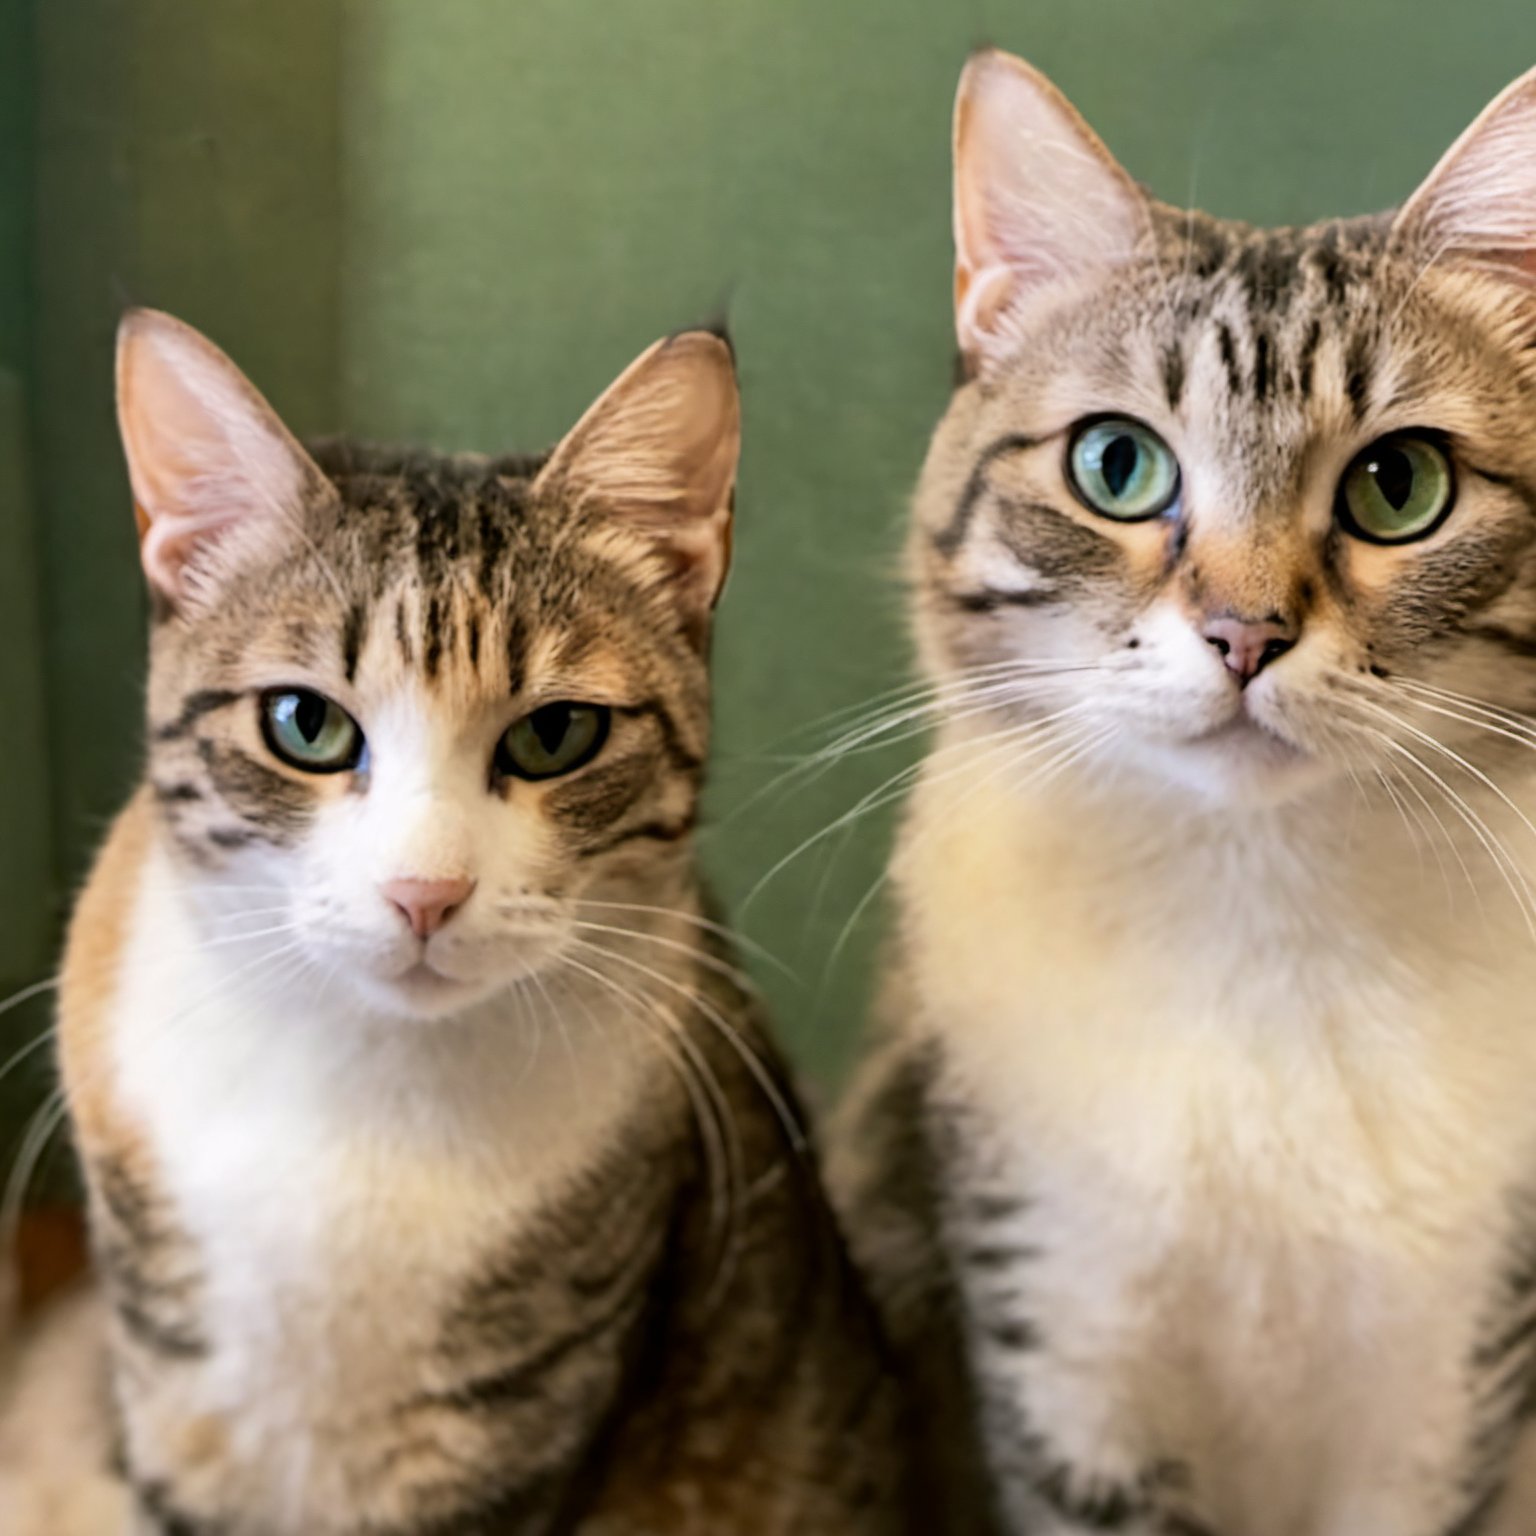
(1038, 199)
(1479, 203)
(659, 451)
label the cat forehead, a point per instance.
(444, 570)
(1261, 342)
(1259, 304)
(429, 515)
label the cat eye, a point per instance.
(1398, 489)
(308, 731)
(556, 738)
(1121, 469)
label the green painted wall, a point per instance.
(455, 221)
(26, 850)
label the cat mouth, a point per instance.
(426, 980)
(1244, 733)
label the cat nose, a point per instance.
(427, 904)
(1249, 645)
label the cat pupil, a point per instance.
(309, 715)
(1119, 464)
(550, 725)
(1393, 472)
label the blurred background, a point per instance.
(454, 222)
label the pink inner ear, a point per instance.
(1037, 196)
(1478, 205)
(169, 545)
(658, 451)
(204, 450)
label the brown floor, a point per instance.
(52, 1251)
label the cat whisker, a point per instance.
(1413, 828)
(1478, 721)
(1429, 810)
(26, 994)
(42, 1038)
(891, 789)
(42, 1125)
(894, 697)
(718, 1132)
(1391, 770)
(880, 881)
(960, 692)
(536, 980)
(1505, 716)
(708, 925)
(1438, 746)
(1508, 869)
(732, 973)
(749, 1058)
(1001, 743)
(956, 698)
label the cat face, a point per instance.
(409, 713)
(1241, 510)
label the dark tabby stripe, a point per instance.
(649, 831)
(1498, 634)
(182, 792)
(151, 1282)
(1357, 374)
(164, 1519)
(1173, 374)
(278, 805)
(950, 537)
(1228, 348)
(354, 630)
(683, 757)
(197, 704)
(990, 599)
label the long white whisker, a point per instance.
(892, 788)
(732, 973)
(728, 1032)
(712, 1112)
(707, 924)
(1519, 890)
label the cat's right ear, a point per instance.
(1037, 198)
(216, 476)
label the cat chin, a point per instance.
(1238, 765)
(422, 996)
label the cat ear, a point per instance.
(1037, 196)
(658, 450)
(213, 470)
(1479, 202)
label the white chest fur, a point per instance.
(339, 1182)
(1265, 1095)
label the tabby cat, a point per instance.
(1198, 1164)
(442, 1182)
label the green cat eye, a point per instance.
(554, 739)
(1400, 488)
(307, 730)
(1122, 469)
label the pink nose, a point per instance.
(1249, 645)
(427, 904)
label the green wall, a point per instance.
(455, 221)
(26, 846)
